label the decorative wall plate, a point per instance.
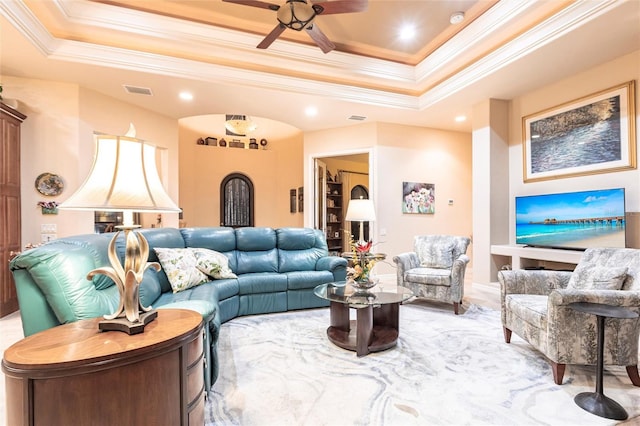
(49, 184)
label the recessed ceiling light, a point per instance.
(407, 32)
(456, 17)
(311, 111)
(461, 118)
(186, 96)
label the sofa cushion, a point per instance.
(296, 238)
(299, 249)
(255, 239)
(257, 261)
(297, 280)
(150, 288)
(531, 308)
(220, 239)
(262, 282)
(598, 278)
(435, 255)
(434, 276)
(180, 266)
(213, 263)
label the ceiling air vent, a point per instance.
(138, 90)
(358, 117)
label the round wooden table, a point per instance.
(75, 374)
(376, 327)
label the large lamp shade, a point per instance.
(361, 210)
(124, 176)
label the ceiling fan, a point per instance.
(300, 14)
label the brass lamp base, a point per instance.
(124, 325)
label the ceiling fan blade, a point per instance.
(272, 36)
(340, 6)
(255, 3)
(318, 36)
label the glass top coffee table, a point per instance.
(376, 326)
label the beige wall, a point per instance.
(590, 81)
(57, 137)
(610, 74)
(274, 171)
(403, 154)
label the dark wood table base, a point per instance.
(375, 328)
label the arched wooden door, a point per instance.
(236, 201)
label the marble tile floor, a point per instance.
(487, 295)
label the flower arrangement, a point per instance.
(50, 205)
(362, 261)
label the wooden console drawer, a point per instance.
(194, 351)
(195, 381)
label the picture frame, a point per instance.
(418, 198)
(593, 134)
(301, 199)
(293, 198)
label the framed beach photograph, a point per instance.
(418, 198)
(594, 134)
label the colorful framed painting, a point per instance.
(594, 134)
(418, 198)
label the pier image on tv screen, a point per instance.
(572, 220)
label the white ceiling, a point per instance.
(204, 47)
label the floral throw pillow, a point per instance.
(213, 263)
(180, 266)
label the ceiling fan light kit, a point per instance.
(299, 15)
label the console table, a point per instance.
(74, 374)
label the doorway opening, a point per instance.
(338, 179)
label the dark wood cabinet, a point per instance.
(10, 226)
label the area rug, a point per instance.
(280, 369)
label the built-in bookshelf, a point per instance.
(335, 217)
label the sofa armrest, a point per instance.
(404, 262)
(335, 264)
(563, 297)
(541, 282)
(520, 281)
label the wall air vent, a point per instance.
(357, 118)
(138, 90)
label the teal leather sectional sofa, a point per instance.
(276, 269)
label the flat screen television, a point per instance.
(572, 220)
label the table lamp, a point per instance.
(124, 177)
(361, 210)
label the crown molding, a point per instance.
(293, 67)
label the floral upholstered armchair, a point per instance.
(436, 268)
(535, 305)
